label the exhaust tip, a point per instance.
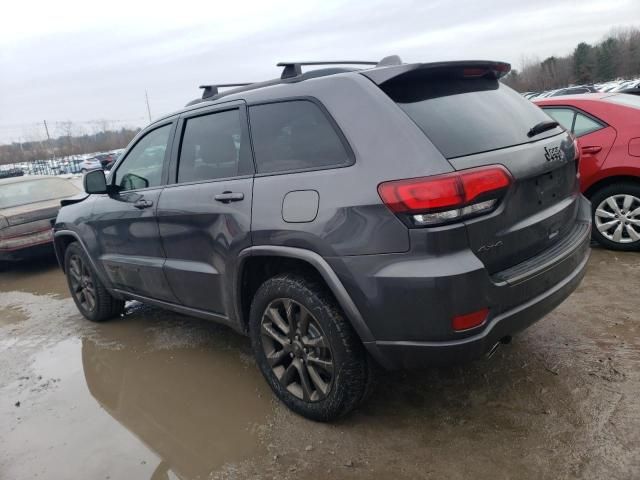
(492, 350)
(503, 341)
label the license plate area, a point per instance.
(550, 187)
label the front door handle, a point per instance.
(140, 204)
(227, 197)
(591, 149)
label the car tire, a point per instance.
(89, 294)
(327, 366)
(616, 228)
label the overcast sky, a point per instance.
(85, 61)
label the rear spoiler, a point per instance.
(467, 68)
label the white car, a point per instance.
(89, 164)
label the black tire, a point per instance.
(81, 278)
(599, 198)
(351, 368)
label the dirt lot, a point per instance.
(156, 395)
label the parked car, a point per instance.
(405, 214)
(11, 172)
(608, 130)
(89, 164)
(631, 91)
(574, 90)
(105, 159)
(27, 206)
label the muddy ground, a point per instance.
(156, 395)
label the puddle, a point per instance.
(92, 410)
(39, 276)
(11, 314)
(155, 395)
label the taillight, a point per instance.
(445, 198)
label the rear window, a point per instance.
(294, 135)
(463, 116)
(625, 99)
(33, 191)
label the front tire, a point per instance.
(307, 351)
(89, 294)
(615, 211)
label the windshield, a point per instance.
(463, 116)
(32, 191)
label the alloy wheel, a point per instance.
(82, 286)
(617, 218)
(297, 350)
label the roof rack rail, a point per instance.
(292, 72)
(211, 90)
(293, 69)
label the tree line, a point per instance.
(616, 56)
(66, 145)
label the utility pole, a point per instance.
(46, 129)
(146, 96)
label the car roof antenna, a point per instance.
(391, 60)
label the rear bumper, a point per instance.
(26, 245)
(28, 252)
(408, 300)
(408, 354)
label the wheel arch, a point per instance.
(611, 180)
(61, 241)
(258, 263)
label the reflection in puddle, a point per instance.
(196, 408)
(187, 410)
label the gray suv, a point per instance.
(403, 215)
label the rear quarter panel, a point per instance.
(351, 219)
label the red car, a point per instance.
(608, 130)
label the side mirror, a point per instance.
(95, 182)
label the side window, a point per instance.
(294, 135)
(564, 116)
(584, 125)
(142, 168)
(213, 147)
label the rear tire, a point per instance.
(89, 294)
(307, 351)
(615, 212)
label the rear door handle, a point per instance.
(227, 197)
(140, 204)
(591, 149)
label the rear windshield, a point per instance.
(32, 191)
(462, 116)
(625, 99)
